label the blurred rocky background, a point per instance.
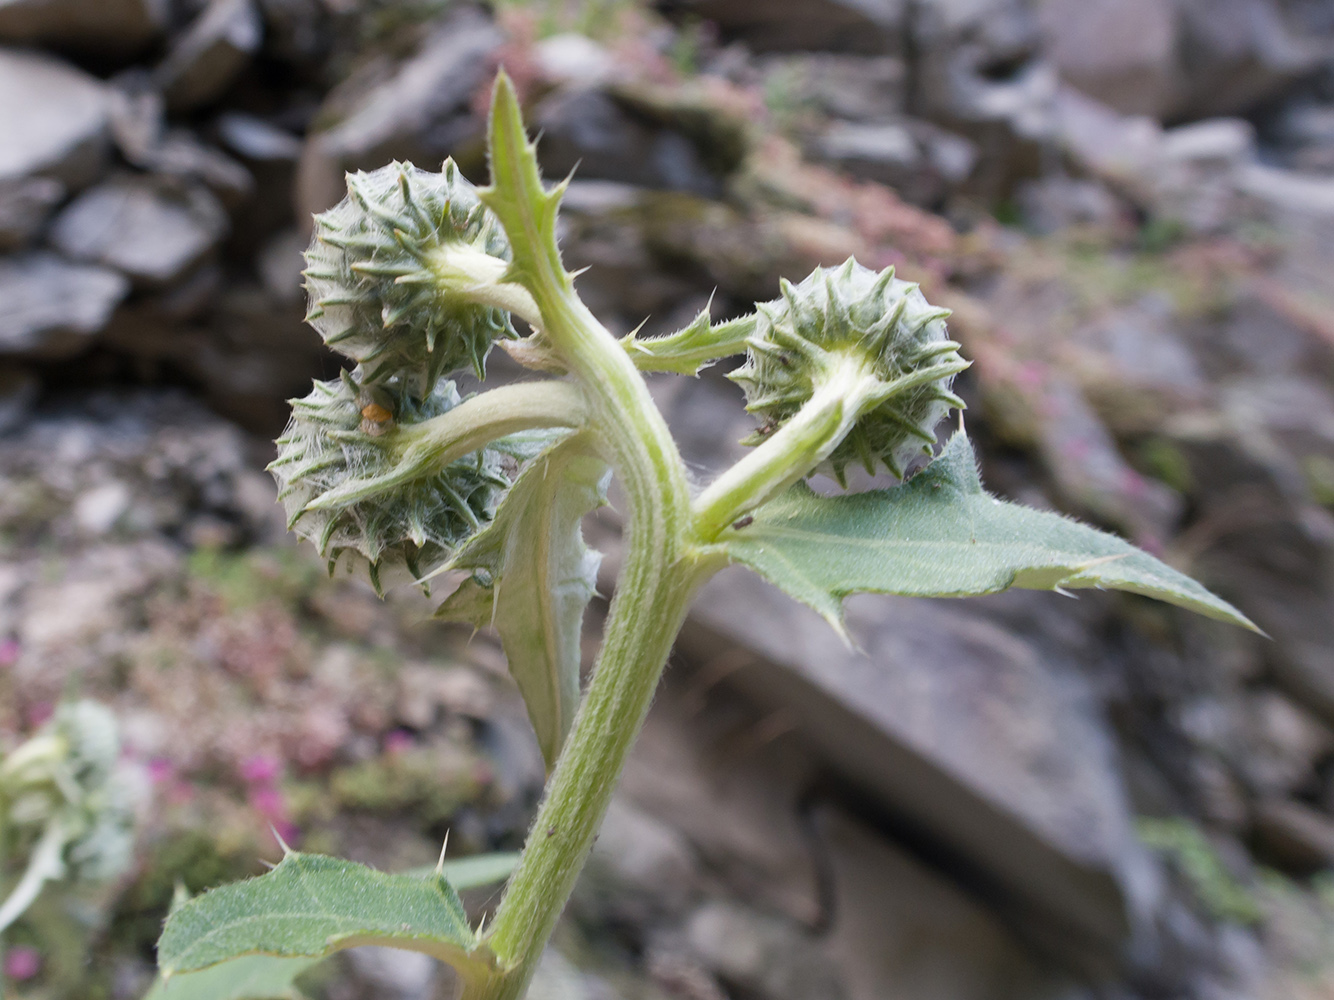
(1129, 204)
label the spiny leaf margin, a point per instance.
(942, 535)
(517, 197)
(310, 906)
(268, 977)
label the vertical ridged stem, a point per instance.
(650, 604)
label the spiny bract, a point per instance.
(373, 295)
(343, 434)
(854, 310)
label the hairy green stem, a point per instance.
(652, 594)
(792, 452)
(424, 448)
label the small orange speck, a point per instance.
(376, 413)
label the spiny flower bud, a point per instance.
(341, 435)
(378, 273)
(883, 322)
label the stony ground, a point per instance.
(1015, 797)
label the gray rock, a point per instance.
(1238, 53)
(739, 810)
(1307, 130)
(557, 979)
(1090, 471)
(105, 27)
(853, 87)
(281, 261)
(395, 974)
(1056, 202)
(886, 149)
(270, 154)
(1136, 368)
(18, 391)
(418, 110)
(858, 88)
(1287, 194)
(1195, 180)
(300, 31)
(96, 511)
(1226, 141)
(574, 59)
(1003, 32)
(204, 61)
(1280, 746)
(1295, 835)
(50, 308)
(151, 230)
(139, 126)
(984, 741)
(762, 955)
(869, 26)
(640, 866)
(1123, 150)
(588, 130)
(25, 203)
(919, 160)
(1121, 52)
(978, 74)
(53, 118)
(904, 929)
(256, 139)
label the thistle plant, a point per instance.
(66, 807)
(415, 276)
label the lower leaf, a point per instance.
(268, 977)
(310, 906)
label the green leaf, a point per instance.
(516, 195)
(942, 535)
(266, 977)
(254, 977)
(310, 906)
(533, 577)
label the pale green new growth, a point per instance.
(848, 367)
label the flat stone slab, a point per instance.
(964, 732)
(53, 119)
(150, 230)
(51, 308)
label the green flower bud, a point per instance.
(887, 326)
(384, 274)
(342, 435)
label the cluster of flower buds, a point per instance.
(396, 275)
(885, 325)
